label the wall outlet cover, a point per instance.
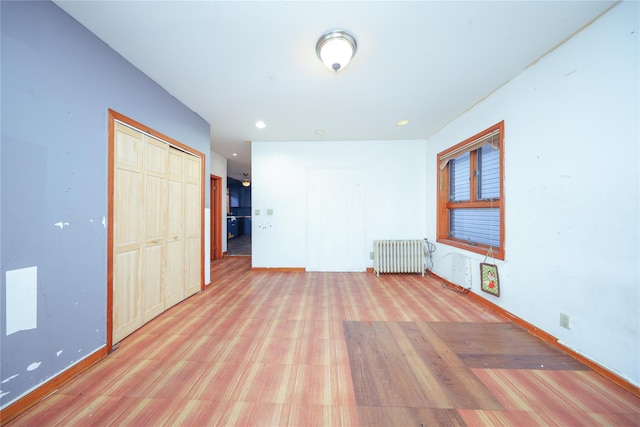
(565, 321)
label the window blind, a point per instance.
(459, 178)
(490, 138)
(476, 226)
(488, 173)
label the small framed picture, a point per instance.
(489, 277)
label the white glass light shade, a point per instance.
(336, 48)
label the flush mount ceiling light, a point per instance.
(335, 49)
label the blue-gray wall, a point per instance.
(58, 82)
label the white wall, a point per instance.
(394, 181)
(219, 168)
(571, 191)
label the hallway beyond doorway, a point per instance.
(239, 246)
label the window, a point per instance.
(470, 193)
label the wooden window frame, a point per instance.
(444, 205)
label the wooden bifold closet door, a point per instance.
(157, 226)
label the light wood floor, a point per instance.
(333, 349)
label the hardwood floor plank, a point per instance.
(266, 383)
(322, 385)
(438, 368)
(380, 372)
(523, 361)
(500, 345)
(571, 392)
(218, 382)
(428, 344)
(490, 338)
(375, 416)
(505, 418)
(63, 410)
(323, 415)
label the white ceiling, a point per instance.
(237, 62)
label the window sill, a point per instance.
(479, 249)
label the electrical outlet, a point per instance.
(564, 320)
(371, 255)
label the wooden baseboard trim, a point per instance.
(279, 269)
(36, 395)
(545, 336)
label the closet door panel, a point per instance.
(192, 267)
(126, 296)
(127, 205)
(175, 210)
(154, 249)
(127, 236)
(174, 277)
(193, 219)
(153, 282)
(127, 315)
(192, 210)
(128, 148)
(155, 209)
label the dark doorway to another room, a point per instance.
(238, 218)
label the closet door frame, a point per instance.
(112, 118)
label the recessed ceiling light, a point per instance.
(235, 154)
(261, 125)
(403, 122)
(319, 132)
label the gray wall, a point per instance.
(58, 82)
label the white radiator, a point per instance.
(398, 256)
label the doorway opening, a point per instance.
(239, 219)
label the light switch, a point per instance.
(269, 211)
(256, 212)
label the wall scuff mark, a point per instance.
(6, 380)
(34, 366)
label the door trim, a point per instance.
(112, 118)
(216, 217)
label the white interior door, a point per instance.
(335, 220)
